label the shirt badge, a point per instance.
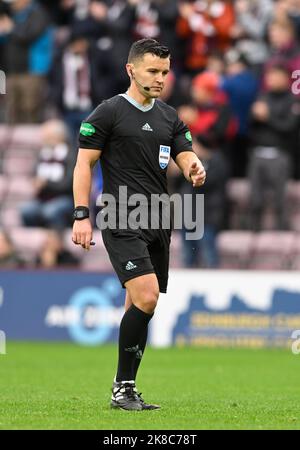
(164, 155)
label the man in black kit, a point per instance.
(134, 135)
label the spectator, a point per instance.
(288, 9)
(157, 19)
(4, 12)
(167, 18)
(216, 63)
(283, 45)
(209, 116)
(250, 29)
(119, 25)
(203, 252)
(9, 258)
(241, 86)
(146, 25)
(109, 24)
(204, 27)
(28, 43)
(53, 254)
(53, 204)
(275, 124)
(79, 81)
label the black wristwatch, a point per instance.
(81, 212)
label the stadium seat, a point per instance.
(238, 193)
(28, 241)
(26, 136)
(96, 259)
(295, 256)
(293, 193)
(294, 221)
(18, 164)
(10, 216)
(20, 189)
(273, 250)
(4, 136)
(3, 187)
(235, 249)
(176, 251)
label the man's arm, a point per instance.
(82, 181)
(191, 167)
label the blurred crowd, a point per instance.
(234, 81)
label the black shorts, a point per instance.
(138, 252)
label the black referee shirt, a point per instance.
(136, 143)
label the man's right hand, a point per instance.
(82, 233)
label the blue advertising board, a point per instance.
(201, 308)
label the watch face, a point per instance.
(80, 214)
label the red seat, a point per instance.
(20, 188)
(273, 250)
(176, 251)
(295, 257)
(28, 241)
(238, 193)
(3, 187)
(21, 164)
(235, 249)
(96, 259)
(26, 136)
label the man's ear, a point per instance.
(129, 68)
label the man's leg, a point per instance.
(31, 213)
(142, 343)
(257, 188)
(280, 172)
(141, 299)
(33, 94)
(56, 212)
(143, 294)
(13, 99)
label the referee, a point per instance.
(134, 135)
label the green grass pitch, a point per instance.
(64, 386)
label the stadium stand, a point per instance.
(181, 25)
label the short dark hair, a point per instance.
(143, 46)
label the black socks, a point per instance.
(132, 341)
(139, 354)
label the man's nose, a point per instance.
(160, 78)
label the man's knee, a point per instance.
(148, 300)
(144, 292)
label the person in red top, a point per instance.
(209, 116)
(205, 27)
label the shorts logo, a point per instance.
(164, 156)
(130, 266)
(87, 129)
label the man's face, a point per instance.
(280, 36)
(277, 80)
(150, 71)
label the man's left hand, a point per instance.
(197, 174)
